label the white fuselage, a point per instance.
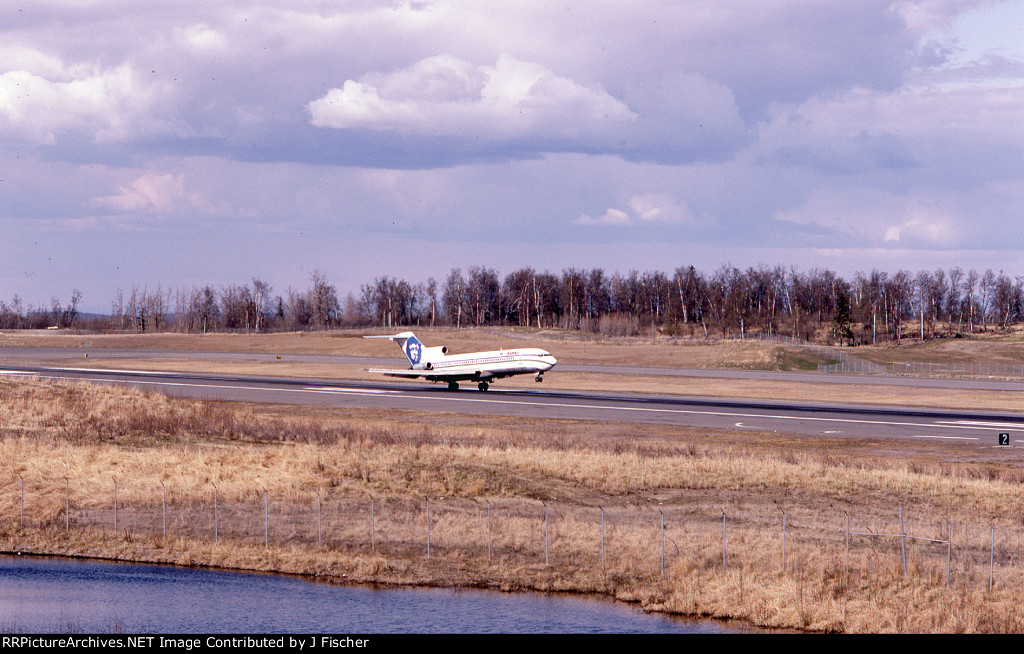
(435, 364)
(482, 366)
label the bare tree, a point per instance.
(483, 295)
(297, 309)
(952, 299)
(517, 292)
(454, 296)
(969, 286)
(207, 312)
(598, 297)
(986, 286)
(323, 300)
(260, 297)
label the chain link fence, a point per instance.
(845, 360)
(639, 539)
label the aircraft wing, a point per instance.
(433, 375)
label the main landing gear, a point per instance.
(454, 386)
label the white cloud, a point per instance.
(150, 193)
(49, 99)
(611, 217)
(911, 136)
(924, 15)
(202, 38)
(933, 230)
(446, 96)
(18, 57)
(921, 218)
(644, 209)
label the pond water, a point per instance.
(53, 595)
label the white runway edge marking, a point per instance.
(987, 425)
(954, 438)
(308, 389)
(337, 390)
(941, 425)
(114, 370)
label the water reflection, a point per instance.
(44, 595)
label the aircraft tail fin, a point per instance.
(410, 345)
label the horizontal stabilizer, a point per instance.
(393, 336)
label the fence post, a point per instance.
(949, 548)
(903, 543)
(266, 518)
(216, 524)
(319, 521)
(991, 556)
(847, 543)
(428, 526)
(783, 542)
(662, 541)
(67, 505)
(115, 506)
(163, 504)
(723, 540)
(602, 537)
(22, 522)
(545, 533)
(488, 529)
(373, 541)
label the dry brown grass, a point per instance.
(570, 347)
(269, 466)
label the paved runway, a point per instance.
(31, 355)
(797, 418)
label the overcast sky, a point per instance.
(192, 143)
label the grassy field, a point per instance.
(574, 347)
(571, 347)
(741, 526)
(577, 507)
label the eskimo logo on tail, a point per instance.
(413, 350)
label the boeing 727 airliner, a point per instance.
(435, 364)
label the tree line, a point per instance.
(813, 305)
(20, 315)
